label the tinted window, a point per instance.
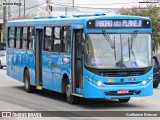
(11, 37)
(56, 47)
(24, 37)
(48, 41)
(66, 40)
(18, 37)
(25, 30)
(11, 32)
(57, 31)
(31, 38)
(57, 40)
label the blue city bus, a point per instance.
(88, 56)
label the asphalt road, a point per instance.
(14, 98)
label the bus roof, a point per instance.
(70, 19)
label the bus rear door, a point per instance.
(38, 54)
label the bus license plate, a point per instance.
(122, 91)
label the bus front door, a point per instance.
(38, 54)
(77, 60)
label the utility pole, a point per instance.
(73, 3)
(4, 18)
(24, 8)
(49, 7)
(19, 8)
(65, 10)
(9, 10)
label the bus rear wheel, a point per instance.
(69, 97)
(29, 88)
(124, 100)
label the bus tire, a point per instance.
(69, 97)
(124, 100)
(156, 85)
(29, 88)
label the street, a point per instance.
(14, 98)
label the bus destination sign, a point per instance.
(119, 24)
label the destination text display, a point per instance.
(118, 24)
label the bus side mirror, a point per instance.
(83, 48)
(153, 46)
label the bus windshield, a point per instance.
(109, 51)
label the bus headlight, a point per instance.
(150, 78)
(147, 81)
(95, 82)
(90, 79)
(99, 83)
(144, 82)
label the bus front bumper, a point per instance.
(110, 91)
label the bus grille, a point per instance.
(121, 83)
(122, 73)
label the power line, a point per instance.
(70, 6)
(79, 5)
(27, 8)
(35, 6)
(99, 4)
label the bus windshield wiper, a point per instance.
(108, 39)
(110, 42)
(131, 43)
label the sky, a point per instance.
(38, 6)
(107, 3)
(104, 3)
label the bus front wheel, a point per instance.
(124, 100)
(28, 87)
(69, 97)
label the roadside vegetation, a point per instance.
(150, 11)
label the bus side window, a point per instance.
(66, 36)
(48, 39)
(56, 39)
(18, 37)
(57, 32)
(11, 34)
(24, 37)
(31, 38)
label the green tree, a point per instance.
(4, 34)
(152, 12)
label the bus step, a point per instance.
(79, 91)
(39, 87)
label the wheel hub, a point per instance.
(68, 90)
(26, 83)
